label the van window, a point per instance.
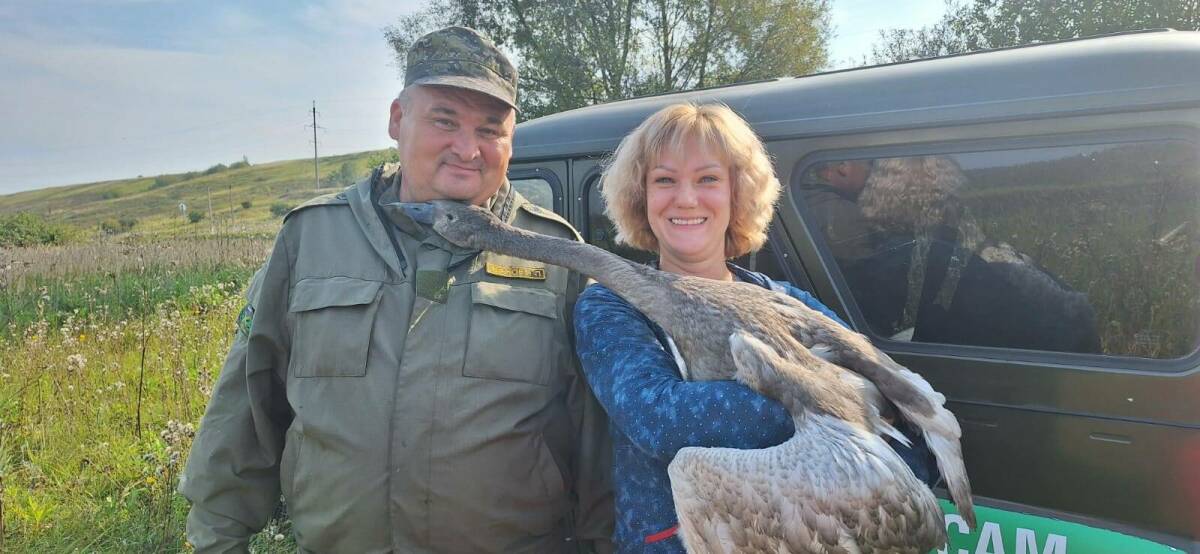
(536, 190)
(766, 261)
(1089, 248)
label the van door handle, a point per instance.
(1105, 437)
(989, 423)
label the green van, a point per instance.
(1021, 227)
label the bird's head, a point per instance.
(464, 225)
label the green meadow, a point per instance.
(116, 311)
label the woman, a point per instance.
(694, 185)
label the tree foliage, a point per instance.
(984, 24)
(573, 54)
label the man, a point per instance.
(407, 395)
(831, 191)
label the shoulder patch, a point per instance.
(542, 213)
(245, 320)
(331, 199)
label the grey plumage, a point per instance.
(835, 486)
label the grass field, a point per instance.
(98, 402)
(109, 347)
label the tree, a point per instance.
(984, 24)
(345, 174)
(573, 54)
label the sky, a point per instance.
(93, 90)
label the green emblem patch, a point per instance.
(433, 285)
(244, 320)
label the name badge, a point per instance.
(516, 272)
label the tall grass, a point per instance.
(108, 356)
(115, 280)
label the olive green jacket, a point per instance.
(403, 411)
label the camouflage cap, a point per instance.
(461, 57)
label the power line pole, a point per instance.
(316, 164)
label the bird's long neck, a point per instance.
(622, 276)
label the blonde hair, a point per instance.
(753, 184)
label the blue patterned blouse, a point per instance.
(654, 412)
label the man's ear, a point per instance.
(842, 168)
(397, 112)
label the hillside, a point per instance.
(154, 201)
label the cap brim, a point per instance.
(470, 83)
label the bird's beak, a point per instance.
(421, 212)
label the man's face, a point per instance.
(453, 143)
(848, 177)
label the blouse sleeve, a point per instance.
(638, 384)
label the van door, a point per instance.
(1045, 276)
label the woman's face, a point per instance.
(688, 199)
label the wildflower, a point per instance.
(278, 537)
(76, 362)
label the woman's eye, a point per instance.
(709, 179)
(664, 181)
(444, 123)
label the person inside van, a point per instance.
(694, 185)
(922, 268)
(831, 191)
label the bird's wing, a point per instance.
(911, 393)
(704, 524)
(828, 489)
(832, 487)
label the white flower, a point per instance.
(76, 362)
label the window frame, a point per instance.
(546, 175)
(590, 180)
(1184, 133)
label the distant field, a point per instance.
(153, 201)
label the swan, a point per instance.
(835, 486)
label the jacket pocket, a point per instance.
(513, 334)
(334, 317)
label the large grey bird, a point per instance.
(833, 487)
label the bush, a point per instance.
(381, 157)
(160, 182)
(216, 169)
(109, 195)
(279, 209)
(246, 204)
(114, 226)
(344, 175)
(195, 216)
(26, 229)
(238, 165)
